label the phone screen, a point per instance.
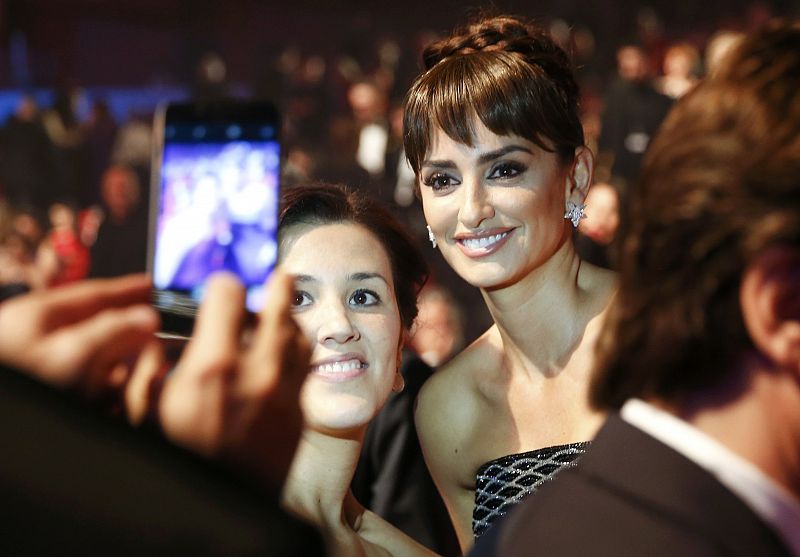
(217, 202)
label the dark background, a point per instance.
(135, 42)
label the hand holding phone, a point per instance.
(214, 205)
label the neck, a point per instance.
(318, 485)
(551, 305)
(757, 416)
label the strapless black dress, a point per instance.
(502, 483)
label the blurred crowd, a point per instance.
(75, 191)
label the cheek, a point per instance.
(439, 211)
(384, 337)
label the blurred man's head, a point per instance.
(632, 63)
(367, 101)
(438, 330)
(120, 191)
(719, 196)
(680, 60)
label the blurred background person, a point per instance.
(681, 63)
(62, 124)
(597, 231)
(99, 132)
(62, 254)
(438, 333)
(633, 111)
(120, 246)
(27, 163)
(369, 105)
(19, 272)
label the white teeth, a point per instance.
(337, 367)
(477, 243)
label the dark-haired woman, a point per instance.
(493, 134)
(357, 279)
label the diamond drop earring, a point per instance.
(431, 237)
(574, 213)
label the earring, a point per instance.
(431, 237)
(574, 213)
(399, 383)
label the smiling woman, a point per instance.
(492, 132)
(357, 278)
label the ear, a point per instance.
(580, 176)
(770, 300)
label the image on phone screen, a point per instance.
(217, 207)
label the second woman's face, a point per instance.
(496, 208)
(345, 304)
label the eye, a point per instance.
(439, 181)
(506, 170)
(363, 297)
(301, 299)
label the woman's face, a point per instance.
(496, 208)
(345, 304)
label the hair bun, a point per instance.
(507, 34)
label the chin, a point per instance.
(343, 415)
(486, 274)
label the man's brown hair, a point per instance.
(720, 183)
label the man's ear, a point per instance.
(770, 300)
(580, 175)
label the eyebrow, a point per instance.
(354, 277)
(367, 276)
(482, 159)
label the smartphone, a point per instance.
(215, 190)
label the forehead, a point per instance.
(482, 139)
(333, 249)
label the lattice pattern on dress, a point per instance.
(502, 483)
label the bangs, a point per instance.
(507, 94)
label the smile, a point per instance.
(478, 246)
(339, 369)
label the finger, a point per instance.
(219, 321)
(84, 353)
(77, 301)
(275, 325)
(144, 386)
(276, 313)
(277, 340)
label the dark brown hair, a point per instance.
(507, 72)
(319, 204)
(719, 185)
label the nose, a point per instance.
(476, 205)
(335, 324)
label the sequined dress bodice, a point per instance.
(502, 483)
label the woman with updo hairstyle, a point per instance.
(493, 134)
(357, 278)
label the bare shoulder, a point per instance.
(450, 412)
(449, 404)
